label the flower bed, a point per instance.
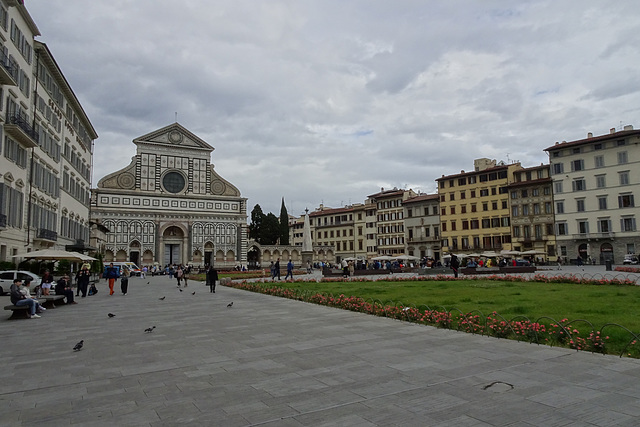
(628, 269)
(542, 331)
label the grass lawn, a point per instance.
(598, 304)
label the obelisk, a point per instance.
(307, 244)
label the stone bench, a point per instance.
(17, 312)
(49, 301)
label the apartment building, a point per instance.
(532, 218)
(422, 226)
(595, 181)
(474, 208)
(342, 228)
(46, 144)
(390, 235)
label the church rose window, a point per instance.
(173, 182)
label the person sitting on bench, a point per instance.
(26, 291)
(18, 299)
(63, 287)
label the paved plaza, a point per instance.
(268, 361)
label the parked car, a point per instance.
(630, 259)
(7, 277)
(134, 270)
(523, 262)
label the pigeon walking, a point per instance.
(193, 293)
(230, 304)
(78, 346)
(150, 329)
(180, 290)
(111, 315)
(162, 299)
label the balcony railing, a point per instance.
(45, 234)
(8, 72)
(18, 128)
(590, 236)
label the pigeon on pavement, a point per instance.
(150, 329)
(180, 290)
(111, 315)
(230, 304)
(78, 346)
(193, 293)
(162, 299)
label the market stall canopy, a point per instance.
(532, 252)
(382, 258)
(489, 254)
(509, 253)
(470, 255)
(54, 255)
(406, 257)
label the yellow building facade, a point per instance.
(474, 208)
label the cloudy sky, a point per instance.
(327, 101)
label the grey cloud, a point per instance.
(327, 101)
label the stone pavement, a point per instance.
(268, 361)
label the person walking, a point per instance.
(277, 268)
(273, 270)
(124, 280)
(345, 268)
(212, 278)
(178, 274)
(111, 274)
(455, 265)
(185, 275)
(289, 270)
(82, 279)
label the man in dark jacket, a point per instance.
(63, 287)
(212, 278)
(455, 264)
(82, 279)
(18, 298)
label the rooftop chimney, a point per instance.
(589, 135)
(612, 130)
(628, 127)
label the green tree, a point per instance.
(284, 224)
(255, 227)
(270, 230)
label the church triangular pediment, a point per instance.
(174, 135)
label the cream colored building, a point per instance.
(46, 144)
(532, 218)
(344, 229)
(169, 206)
(422, 226)
(595, 182)
(389, 224)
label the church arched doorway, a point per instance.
(173, 239)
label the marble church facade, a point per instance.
(169, 206)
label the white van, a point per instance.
(132, 267)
